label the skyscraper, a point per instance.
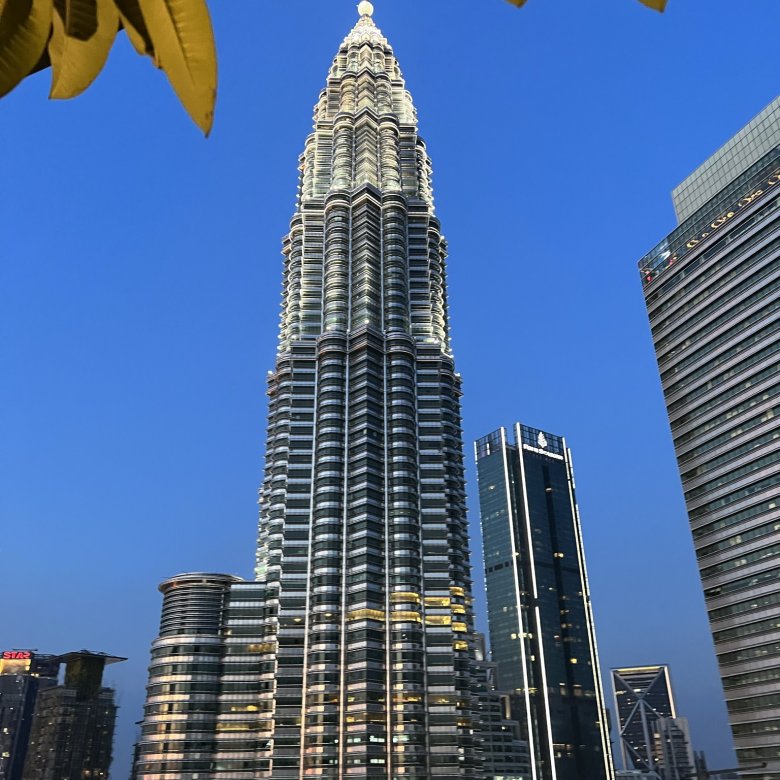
(23, 675)
(351, 652)
(541, 624)
(673, 748)
(72, 733)
(652, 736)
(712, 290)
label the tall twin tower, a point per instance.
(351, 652)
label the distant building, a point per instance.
(713, 298)
(673, 749)
(505, 754)
(23, 674)
(643, 695)
(703, 772)
(542, 636)
(653, 739)
(72, 731)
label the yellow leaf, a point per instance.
(25, 26)
(82, 34)
(184, 47)
(135, 26)
(518, 3)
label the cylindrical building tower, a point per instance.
(179, 727)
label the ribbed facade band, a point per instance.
(178, 731)
(712, 289)
(351, 653)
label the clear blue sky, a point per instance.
(140, 285)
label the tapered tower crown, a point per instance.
(365, 173)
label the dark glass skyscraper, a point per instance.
(712, 289)
(350, 655)
(541, 624)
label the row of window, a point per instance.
(737, 452)
(703, 353)
(735, 474)
(720, 305)
(765, 529)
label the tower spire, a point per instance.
(350, 654)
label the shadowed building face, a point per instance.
(541, 624)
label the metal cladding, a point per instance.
(712, 290)
(362, 571)
(643, 696)
(178, 732)
(350, 655)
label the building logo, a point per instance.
(541, 440)
(15, 661)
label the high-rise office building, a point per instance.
(643, 696)
(712, 289)
(541, 624)
(23, 674)
(72, 732)
(350, 654)
(653, 738)
(673, 749)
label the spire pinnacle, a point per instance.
(365, 8)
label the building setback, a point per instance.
(542, 636)
(351, 653)
(712, 290)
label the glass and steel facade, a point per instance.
(747, 147)
(542, 636)
(712, 290)
(644, 706)
(351, 653)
